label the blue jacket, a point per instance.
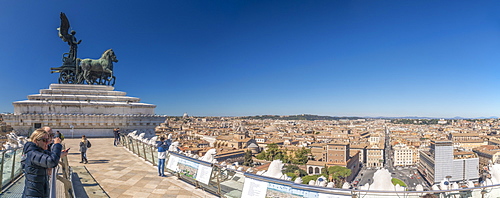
(163, 146)
(35, 167)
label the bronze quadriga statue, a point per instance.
(80, 71)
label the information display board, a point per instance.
(203, 174)
(254, 188)
(172, 163)
(191, 169)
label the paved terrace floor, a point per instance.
(122, 174)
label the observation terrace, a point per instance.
(129, 170)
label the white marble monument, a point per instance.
(91, 110)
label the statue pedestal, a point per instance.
(93, 110)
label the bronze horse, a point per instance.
(99, 71)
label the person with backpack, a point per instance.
(84, 145)
(37, 159)
(162, 146)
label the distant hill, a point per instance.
(318, 117)
(300, 117)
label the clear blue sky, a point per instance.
(231, 58)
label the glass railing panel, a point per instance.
(17, 165)
(7, 159)
(145, 151)
(155, 156)
(2, 162)
(232, 183)
(131, 142)
(149, 153)
(124, 141)
(132, 145)
(139, 147)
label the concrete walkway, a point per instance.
(120, 173)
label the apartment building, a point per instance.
(403, 155)
(338, 154)
(375, 155)
(440, 163)
(488, 154)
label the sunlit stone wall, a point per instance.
(92, 110)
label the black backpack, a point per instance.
(88, 144)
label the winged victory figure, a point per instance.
(70, 38)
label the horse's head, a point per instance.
(110, 54)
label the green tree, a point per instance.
(292, 175)
(294, 169)
(324, 171)
(272, 152)
(339, 174)
(301, 156)
(262, 155)
(307, 178)
(248, 161)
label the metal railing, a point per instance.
(227, 182)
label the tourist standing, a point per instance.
(116, 133)
(162, 155)
(84, 145)
(37, 159)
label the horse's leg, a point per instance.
(86, 75)
(110, 72)
(114, 80)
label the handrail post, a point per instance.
(137, 151)
(1, 170)
(123, 140)
(144, 150)
(132, 145)
(13, 164)
(137, 144)
(153, 155)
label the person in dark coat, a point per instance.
(37, 159)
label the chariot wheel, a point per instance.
(67, 76)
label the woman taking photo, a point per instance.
(37, 158)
